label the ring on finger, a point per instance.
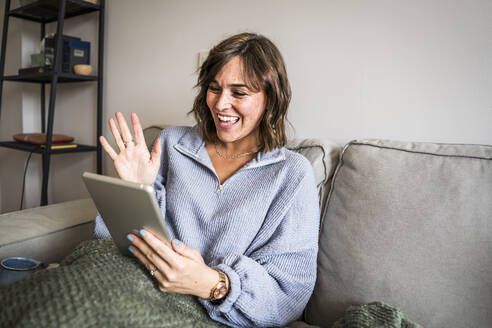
(126, 143)
(153, 271)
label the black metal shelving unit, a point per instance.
(43, 12)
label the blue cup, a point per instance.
(16, 268)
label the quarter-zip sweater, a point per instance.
(260, 226)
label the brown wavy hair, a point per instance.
(263, 69)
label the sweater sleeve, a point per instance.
(160, 182)
(160, 193)
(272, 285)
(99, 230)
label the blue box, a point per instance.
(75, 52)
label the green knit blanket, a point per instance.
(374, 315)
(95, 286)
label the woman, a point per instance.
(242, 210)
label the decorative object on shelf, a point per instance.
(40, 138)
(82, 69)
(40, 60)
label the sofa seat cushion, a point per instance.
(408, 224)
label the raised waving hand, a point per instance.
(133, 162)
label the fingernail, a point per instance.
(177, 243)
(129, 237)
(142, 233)
(130, 249)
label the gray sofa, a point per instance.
(407, 224)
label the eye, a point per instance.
(239, 94)
(214, 89)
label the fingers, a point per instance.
(137, 130)
(156, 271)
(109, 150)
(183, 249)
(160, 246)
(154, 250)
(155, 157)
(116, 134)
(143, 258)
(123, 135)
(126, 134)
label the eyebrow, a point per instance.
(234, 85)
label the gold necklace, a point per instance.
(233, 156)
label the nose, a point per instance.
(223, 101)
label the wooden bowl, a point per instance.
(82, 69)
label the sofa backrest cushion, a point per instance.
(152, 132)
(408, 224)
(323, 156)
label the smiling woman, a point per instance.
(252, 73)
(241, 209)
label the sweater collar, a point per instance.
(192, 145)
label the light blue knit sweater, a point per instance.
(260, 227)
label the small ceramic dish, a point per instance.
(82, 69)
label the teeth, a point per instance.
(228, 118)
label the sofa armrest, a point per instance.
(46, 233)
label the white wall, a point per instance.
(410, 70)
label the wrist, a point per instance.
(208, 281)
(220, 288)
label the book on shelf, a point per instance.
(61, 146)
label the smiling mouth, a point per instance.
(227, 120)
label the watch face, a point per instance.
(220, 291)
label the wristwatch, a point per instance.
(220, 290)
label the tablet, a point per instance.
(125, 206)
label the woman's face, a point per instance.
(236, 110)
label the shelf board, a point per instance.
(46, 77)
(37, 149)
(46, 11)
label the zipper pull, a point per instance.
(219, 189)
